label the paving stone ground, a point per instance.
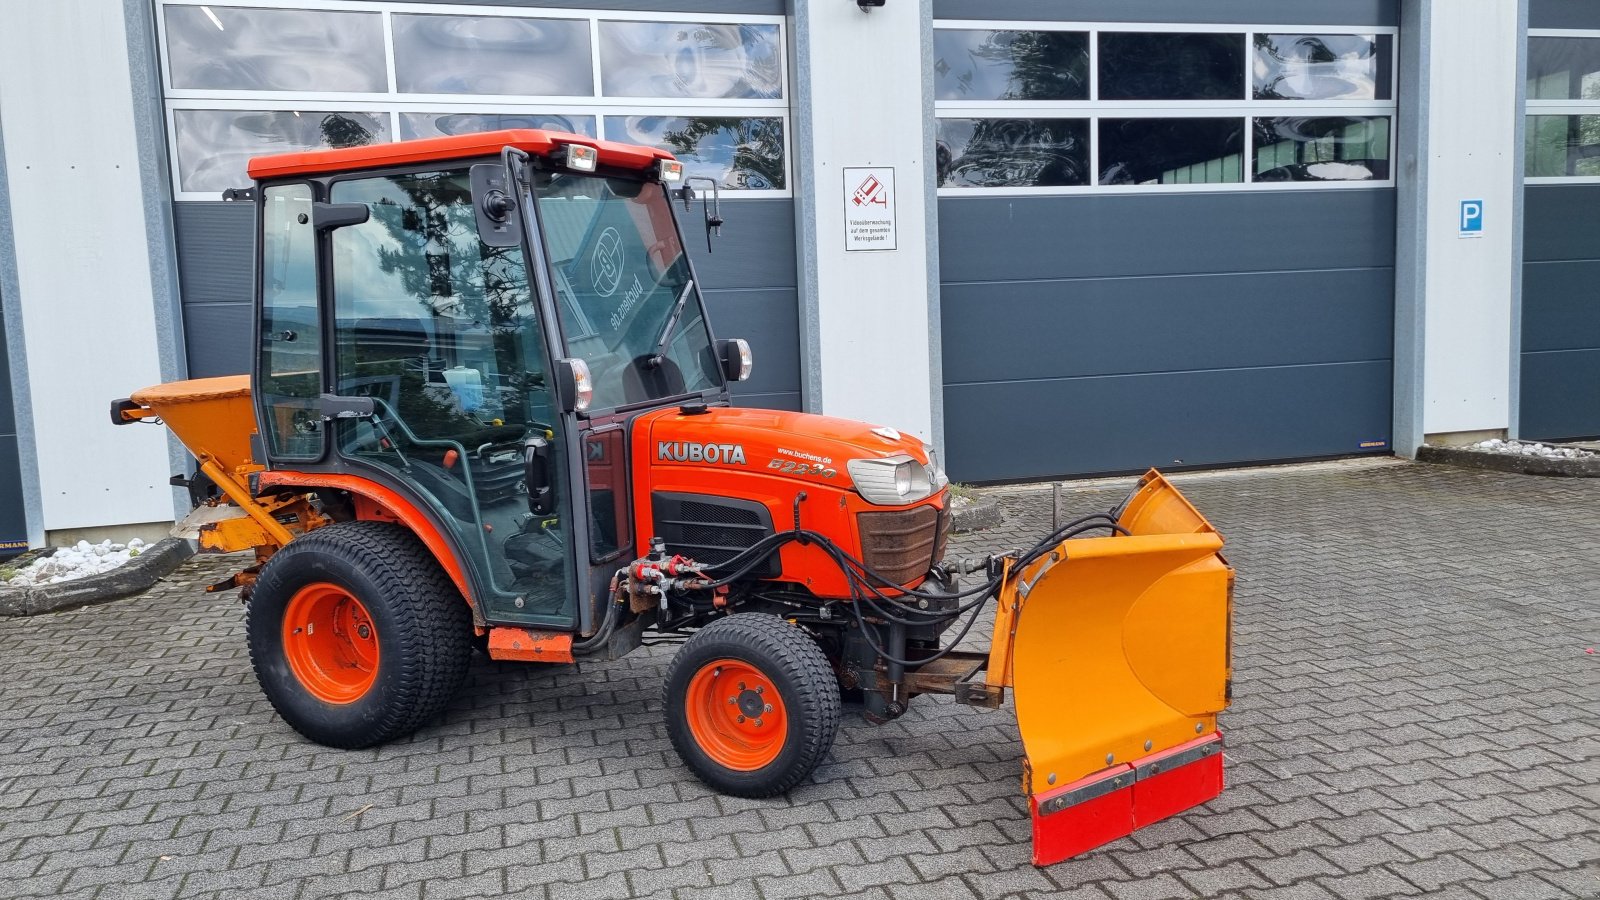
(1415, 715)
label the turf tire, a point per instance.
(423, 626)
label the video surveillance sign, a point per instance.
(869, 208)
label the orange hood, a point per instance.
(810, 447)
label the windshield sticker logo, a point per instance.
(605, 263)
(635, 291)
(683, 451)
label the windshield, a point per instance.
(620, 271)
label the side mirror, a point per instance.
(736, 358)
(712, 208)
(495, 203)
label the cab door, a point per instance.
(443, 333)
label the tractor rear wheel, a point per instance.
(357, 635)
(752, 705)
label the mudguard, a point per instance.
(1117, 650)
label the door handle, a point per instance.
(536, 472)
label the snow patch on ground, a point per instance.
(74, 562)
(1530, 448)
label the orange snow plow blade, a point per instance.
(1117, 650)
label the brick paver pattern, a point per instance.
(1415, 714)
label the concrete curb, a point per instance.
(1587, 467)
(136, 575)
(975, 515)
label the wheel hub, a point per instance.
(330, 643)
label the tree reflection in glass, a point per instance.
(1010, 65)
(1012, 152)
(741, 153)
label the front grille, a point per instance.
(903, 544)
(713, 530)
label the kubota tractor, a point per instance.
(487, 409)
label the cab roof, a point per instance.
(440, 149)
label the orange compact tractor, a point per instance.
(487, 409)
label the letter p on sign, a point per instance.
(1471, 218)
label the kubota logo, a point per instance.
(684, 451)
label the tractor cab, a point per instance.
(472, 325)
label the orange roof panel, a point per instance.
(440, 149)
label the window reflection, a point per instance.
(1171, 151)
(740, 153)
(1324, 148)
(1563, 68)
(492, 55)
(681, 59)
(1012, 152)
(426, 125)
(1563, 146)
(214, 145)
(237, 49)
(1010, 65)
(1171, 66)
(1322, 67)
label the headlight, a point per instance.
(895, 480)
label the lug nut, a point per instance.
(733, 699)
(758, 723)
(767, 708)
(741, 718)
(760, 689)
(363, 630)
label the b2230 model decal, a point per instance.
(789, 466)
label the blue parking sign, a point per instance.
(1471, 218)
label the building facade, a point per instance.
(1056, 237)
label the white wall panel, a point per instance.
(1471, 108)
(83, 268)
(860, 103)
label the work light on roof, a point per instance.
(670, 171)
(582, 158)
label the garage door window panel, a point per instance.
(1322, 67)
(1013, 152)
(690, 60)
(972, 64)
(225, 48)
(1321, 148)
(1171, 151)
(739, 153)
(1171, 66)
(214, 145)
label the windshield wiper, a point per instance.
(671, 323)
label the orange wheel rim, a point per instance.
(331, 643)
(736, 715)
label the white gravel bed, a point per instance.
(1530, 448)
(73, 562)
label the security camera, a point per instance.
(867, 5)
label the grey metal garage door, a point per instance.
(702, 77)
(1560, 395)
(1166, 232)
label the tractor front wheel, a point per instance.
(356, 634)
(752, 705)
